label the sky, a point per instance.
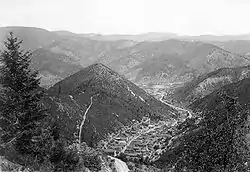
(184, 17)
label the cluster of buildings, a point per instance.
(143, 140)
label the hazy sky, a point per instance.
(191, 17)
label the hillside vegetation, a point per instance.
(123, 105)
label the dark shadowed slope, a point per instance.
(204, 142)
(240, 89)
(115, 102)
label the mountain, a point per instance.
(111, 100)
(53, 67)
(168, 63)
(64, 33)
(204, 140)
(216, 38)
(85, 51)
(235, 46)
(161, 36)
(151, 36)
(208, 83)
(238, 90)
(172, 62)
(69, 54)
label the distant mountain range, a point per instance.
(158, 36)
(233, 43)
(167, 62)
(61, 53)
(173, 61)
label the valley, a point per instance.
(152, 101)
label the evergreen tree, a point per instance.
(21, 108)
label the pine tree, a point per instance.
(21, 108)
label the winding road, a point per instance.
(177, 108)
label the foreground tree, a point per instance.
(36, 138)
(20, 108)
